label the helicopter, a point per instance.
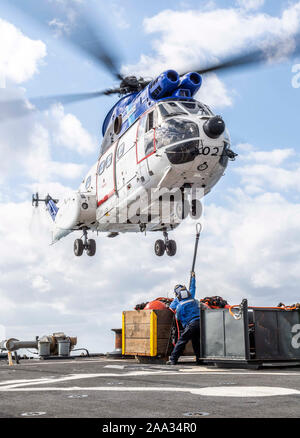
(157, 136)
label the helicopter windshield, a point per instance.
(195, 108)
(168, 109)
(174, 131)
(183, 107)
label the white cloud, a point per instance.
(265, 175)
(119, 15)
(60, 27)
(250, 4)
(274, 157)
(260, 245)
(41, 283)
(58, 190)
(270, 169)
(37, 163)
(214, 92)
(19, 55)
(70, 133)
(70, 16)
(186, 40)
(28, 145)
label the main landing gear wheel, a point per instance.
(171, 248)
(78, 247)
(159, 247)
(91, 247)
(88, 245)
(168, 246)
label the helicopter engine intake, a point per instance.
(191, 81)
(165, 83)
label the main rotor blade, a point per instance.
(71, 22)
(11, 109)
(255, 56)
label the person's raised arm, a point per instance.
(193, 284)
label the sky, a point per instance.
(250, 244)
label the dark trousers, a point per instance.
(190, 332)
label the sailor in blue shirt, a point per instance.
(188, 313)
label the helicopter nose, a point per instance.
(214, 127)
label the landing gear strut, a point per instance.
(166, 245)
(88, 245)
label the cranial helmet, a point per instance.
(181, 292)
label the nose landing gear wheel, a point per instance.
(159, 247)
(91, 247)
(78, 247)
(171, 248)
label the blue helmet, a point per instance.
(181, 292)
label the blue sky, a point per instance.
(68, 71)
(250, 246)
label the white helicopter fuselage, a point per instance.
(157, 151)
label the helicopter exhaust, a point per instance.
(191, 81)
(165, 83)
(169, 82)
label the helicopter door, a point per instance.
(145, 143)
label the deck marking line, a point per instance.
(240, 391)
(30, 382)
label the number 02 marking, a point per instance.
(206, 150)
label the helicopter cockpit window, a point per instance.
(88, 182)
(174, 131)
(145, 135)
(195, 108)
(168, 109)
(108, 160)
(101, 167)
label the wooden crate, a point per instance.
(147, 333)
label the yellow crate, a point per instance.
(147, 333)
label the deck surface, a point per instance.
(106, 388)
